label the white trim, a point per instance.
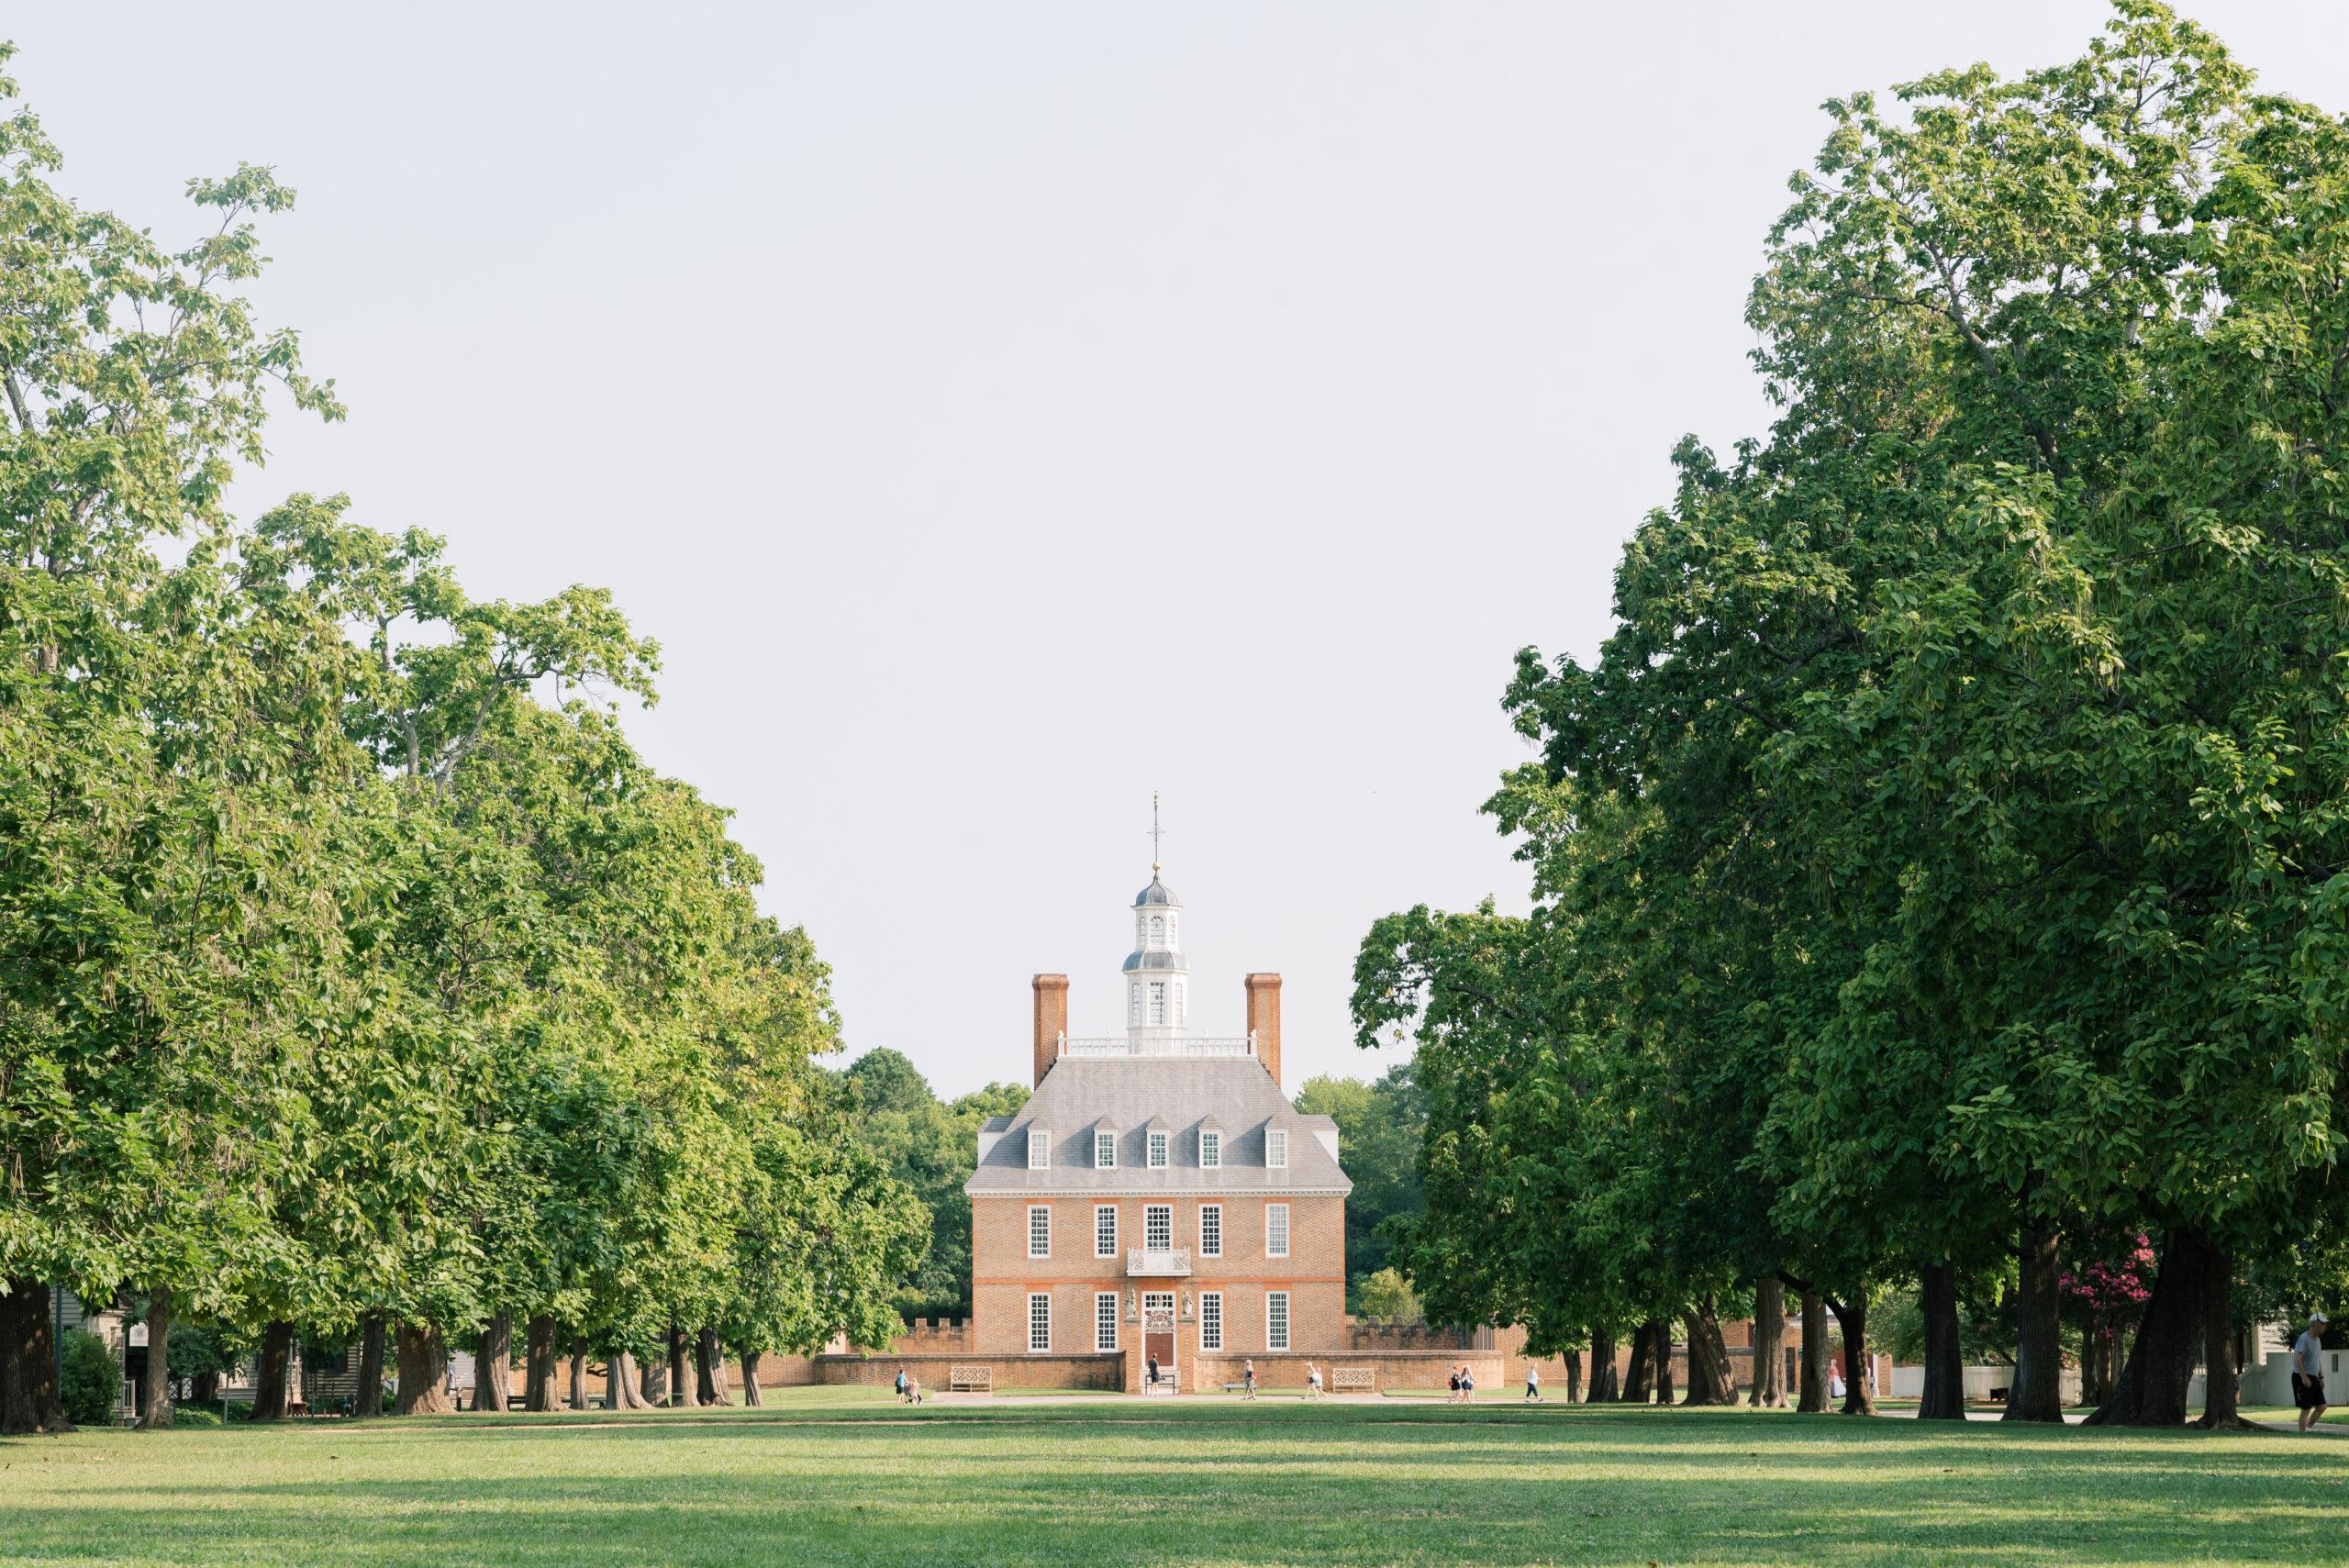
(1105, 1143)
(1033, 1210)
(1044, 1297)
(1270, 1209)
(1039, 1149)
(1288, 1319)
(1214, 1315)
(1210, 1159)
(1276, 1144)
(1112, 1210)
(1205, 1251)
(1105, 1314)
(1160, 1149)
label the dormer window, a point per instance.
(1105, 1150)
(1039, 1149)
(1210, 1150)
(1158, 1152)
(1276, 1147)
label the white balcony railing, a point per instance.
(1158, 1045)
(1175, 1260)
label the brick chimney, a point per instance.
(1264, 1021)
(1052, 1020)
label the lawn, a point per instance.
(841, 1476)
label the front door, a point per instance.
(1158, 1332)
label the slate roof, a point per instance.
(1128, 1092)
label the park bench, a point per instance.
(962, 1379)
(1365, 1378)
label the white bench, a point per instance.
(966, 1379)
(1361, 1377)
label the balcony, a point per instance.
(1158, 1045)
(1140, 1261)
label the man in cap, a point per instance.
(2307, 1371)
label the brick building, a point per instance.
(1158, 1196)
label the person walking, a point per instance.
(1312, 1381)
(1533, 1384)
(1248, 1379)
(901, 1383)
(2307, 1371)
(1153, 1370)
(1454, 1397)
(1467, 1385)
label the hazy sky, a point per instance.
(999, 412)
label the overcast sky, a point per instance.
(999, 412)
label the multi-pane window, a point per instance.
(1277, 1147)
(1157, 1002)
(1040, 1230)
(1039, 1149)
(1158, 1152)
(1276, 1320)
(1040, 1322)
(1211, 1231)
(1210, 1319)
(1158, 1228)
(1105, 1150)
(1178, 1004)
(1276, 1230)
(1133, 1003)
(1158, 930)
(1210, 1150)
(1105, 1320)
(1141, 929)
(1105, 1230)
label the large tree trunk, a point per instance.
(1853, 1319)
(1639, 1382)
(680, 1391)
(710, 1369)
(623, 1384)
(1769, 1345)
(1606, 1383)
(2219, 1371)
(1711, 1381)
(654, 1383)
(269, 1371)
(493, 1364)
(1813, 1395)
(1660, 1330)
(750, 1377)
(158, 1381)
(30, 1400)
(424, 1371)
(2038, 1392)
(538, 1373)
(368, 1401)
(1573, 1376)
(2152, 1388)
(579, 1372)
(1944, 1396)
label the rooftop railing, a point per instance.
(1161, 1045)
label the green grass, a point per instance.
(845, 1475)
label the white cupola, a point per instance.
(1157, 976)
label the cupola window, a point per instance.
(1158, 930)
(1133, 1003)
(1158, 1004)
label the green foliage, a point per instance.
(1379, 1126)
(1386, 1293)
(92, 1383)
(931, 1148)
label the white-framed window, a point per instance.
(1178, 1004)
(1276, 1147)
(1173, 930)
(1158, 1228)
(1158, 930)
(1141, 929)
(1210, 1150)
(1040, 1230)
(1105, 1319)
(1276, 1230)
(1105, 1150)
(1105, 1229)
(1157, 1002)
(1210, 1319)
(1276, 1320)
(1040, 1322)
(1157, 1150)
(1210, 1230)
(1133, 1003)
(1039, 1149)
